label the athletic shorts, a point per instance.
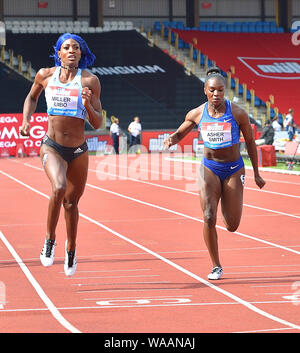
(223, 169)
(67, 153)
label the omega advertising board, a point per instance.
(11, 142)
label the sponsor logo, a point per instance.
(79, 150)
(127, 70)
(275, 68)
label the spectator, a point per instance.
(115, 133)
(267, 136)
(289, 124)
(276, 125)
(135, 129)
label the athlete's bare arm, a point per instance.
(91, 99)
(242, 119)
(31, 99)
(191, 120)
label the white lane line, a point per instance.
(117, 270)
(179, 190)
(280, 171)
(118, 283)
(193, 193)
(191, 304)
(174, 265)
(51, 307)
(147, 297)
(190, 217)
(71, 278)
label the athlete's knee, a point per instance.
(233, 226)
(59, 190)
(210, 217)
(70, 205)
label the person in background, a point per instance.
(135, 129)
(115, 134)
(267, 136)
(276, 125)
(289, 124)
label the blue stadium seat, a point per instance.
(258, 26)
(209, 27)
(216, 27)
(244, 27)
(257, 102)
(180, 43)
(223, 28)
(230, 27)
(251, 28)
(237, 27)
(202, 26)
(180, 25)
(157, 26)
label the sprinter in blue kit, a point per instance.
(222, 171)
(73, 95)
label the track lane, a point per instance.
(152, 223)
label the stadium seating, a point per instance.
(221, 26)
(55, 26)
(160, 99)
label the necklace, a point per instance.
(69, 68)
(216, 109)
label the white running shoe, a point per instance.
(47, 254)
(216, 273)
(70, 261)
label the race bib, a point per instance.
(62, 101)
(216, 134)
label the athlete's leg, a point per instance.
(55, 167)
(232, 199)
(76, 180)
(210, 193)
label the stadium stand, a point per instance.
(15, 88)
(142, 81)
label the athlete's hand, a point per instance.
(259, 181)
(25, 129)
(167, 143)
(86, 95)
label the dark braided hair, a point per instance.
(213, 72)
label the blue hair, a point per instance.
(87, 57)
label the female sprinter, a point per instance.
(72, 95)
(222, 170)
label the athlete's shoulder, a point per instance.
(45, 72)
(86, 74)
(43, 75)
(195, 114)
(239, 114)
(90, 79)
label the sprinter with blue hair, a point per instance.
(87, 57)
(73, 95)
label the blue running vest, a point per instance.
(219, 132)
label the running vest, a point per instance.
(65, 98)
(219, 132)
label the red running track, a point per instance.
(142, 262)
